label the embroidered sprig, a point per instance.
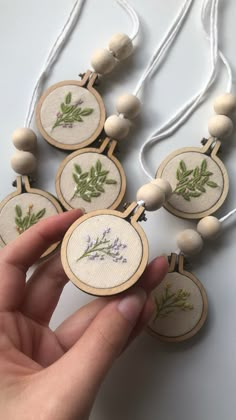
(89, 185)
(170, 301)
(192, 183)
(103, 247)
(25, 222)
(70, 114)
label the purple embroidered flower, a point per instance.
(103, 248)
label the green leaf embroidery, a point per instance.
(70, 114)
(25, 222)
(90, 184)
(203, 165)
(212, 184)
(110, 181)
(182, 166)
(172, 301)
(18, 211)
(68, 98)
(192, 182)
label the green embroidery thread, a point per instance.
(192, 183)
(89, 185)
(70, 114)
(171, 301)
(25, 222)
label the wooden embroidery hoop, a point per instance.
(177, 265)
(211, 147)
(132, 217)
(88, 81)
(110, 154)
(22, 186)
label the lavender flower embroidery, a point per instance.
(70, 113)
(103, 247)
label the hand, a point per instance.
(47, 375)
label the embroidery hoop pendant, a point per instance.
(105, 252)
(181, 304)
(24, 208)
(92, 178)
(199, 180)
(71, 114)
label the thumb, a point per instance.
(85, 365)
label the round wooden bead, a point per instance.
(129, 105)
(24, 139)
(116, 127)
(209, 227)
(103, 61)
(225, 104)
(220, 126)
(152, 196)
(23, 163)
(164, 186)
(121, 46)
(189, 242)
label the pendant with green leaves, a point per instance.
(180, 304)
(25, 220)
(198, 178)
(92, 183)
(71, 113)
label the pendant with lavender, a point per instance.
(104, 247)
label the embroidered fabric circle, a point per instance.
(90, 180)
(104, 251)
(70, 114)
(178, 306)
(197, 182)
(21, 212)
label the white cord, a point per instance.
(54, 51)
(165, 44)
(133, 15)
(222, 57)
(228, 215)
(59, 44)
(188, 108)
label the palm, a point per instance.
(37, 342)
(39, 368)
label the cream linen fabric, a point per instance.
(178, 322)
(206, 200)
(85, 161)
(104, 273)
(8, 230)
(81, 131)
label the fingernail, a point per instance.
(131, 306)
(83, 210)
(164, 256)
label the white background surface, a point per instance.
(195, 380)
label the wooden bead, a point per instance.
(225, 104)
(209, 227)
(24, 139)
(23, 163)
(220, 126)
(117, 128)
(189, 242)
(103, 61)
(164, 186)
(121, 46)
(152, 196)
(129, 105)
